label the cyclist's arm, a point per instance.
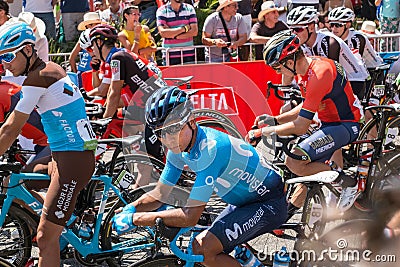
(113, 98)
(10, 130)
(72, 57)
(334, 49)
(102, 90)
(290, 115)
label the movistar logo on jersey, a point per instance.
(254, 183)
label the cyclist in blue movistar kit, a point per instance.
(72, 141)
(225, 165)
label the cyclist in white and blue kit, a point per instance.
(225, 165)
(49, 90)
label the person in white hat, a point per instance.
(214, 33)
(369, 27)
(268, 25)
(90, 19)
(39, 28)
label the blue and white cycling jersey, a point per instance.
(61, 106)
(226, 165)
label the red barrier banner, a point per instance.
(237, 89)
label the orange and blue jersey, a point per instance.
(328, 92)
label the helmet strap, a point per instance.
(345, 29)
(100, 48)
(189, 146)
(309, 35)
(294, 65)
(28, 62)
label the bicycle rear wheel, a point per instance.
(139, 236)
(210, 114)
(167, 260)
(15, 237)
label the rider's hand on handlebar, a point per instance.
(253, 136)
(264, 120)
(122, 222)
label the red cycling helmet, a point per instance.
(104, 32)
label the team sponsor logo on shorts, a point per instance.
(64, 200)
(239, 230)
(322, 144)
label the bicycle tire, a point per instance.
(108, 237)
(210, 114)
(220, 126)
(315, 201)
(167, 260)
(5, 263)
(15, 237)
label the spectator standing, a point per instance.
(389, 22)
(113, 14)
(268, 25)
(245, 11)
(4, 12)
(135, 36)
(255, 9)
(177, 25)
(214, 33)
(309, 3)
(72, 12)
(148, 9)
(43, 9)
(282, 9)
(90, 20)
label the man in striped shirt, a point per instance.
(177, 24)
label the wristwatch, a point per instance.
(214, 42)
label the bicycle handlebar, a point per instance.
(282, 143)
(294, 93)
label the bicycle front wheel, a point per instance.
(168, 260)
(15, 237)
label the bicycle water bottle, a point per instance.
(88, 219)
(362, 170)
(247, 259)
(281, 258)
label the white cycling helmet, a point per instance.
(84, 39)
(302, 15)
(341, 13)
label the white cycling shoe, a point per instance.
(347, 198)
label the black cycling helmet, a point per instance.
(167, 104)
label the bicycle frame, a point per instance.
(85, 248)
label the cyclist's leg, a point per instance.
(237, 225)
(70, 172)
(319, 147)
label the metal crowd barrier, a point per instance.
(391, 44)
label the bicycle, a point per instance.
(102, 245)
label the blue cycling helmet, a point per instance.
(167, 104)
(15, 34)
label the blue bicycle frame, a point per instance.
(84, 247)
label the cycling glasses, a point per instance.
(298, 29)
(10, 56)
(336, 24)
(171, 129)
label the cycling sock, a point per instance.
(291, 210)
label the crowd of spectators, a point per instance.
(173, 25)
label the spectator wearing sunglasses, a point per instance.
(340, 20)
(135, 36)
(90, 19)
(328, 92)
(302, 20)
(177, 25)
(268, 25)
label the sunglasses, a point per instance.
(170, 129)
(10, 56)
(336, 24)
(298, 29)
(276, 66)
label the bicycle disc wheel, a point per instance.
(139, 236)
(15, 237)
(162, 261)
(220, 126)
(209, 114)
(314, 212)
